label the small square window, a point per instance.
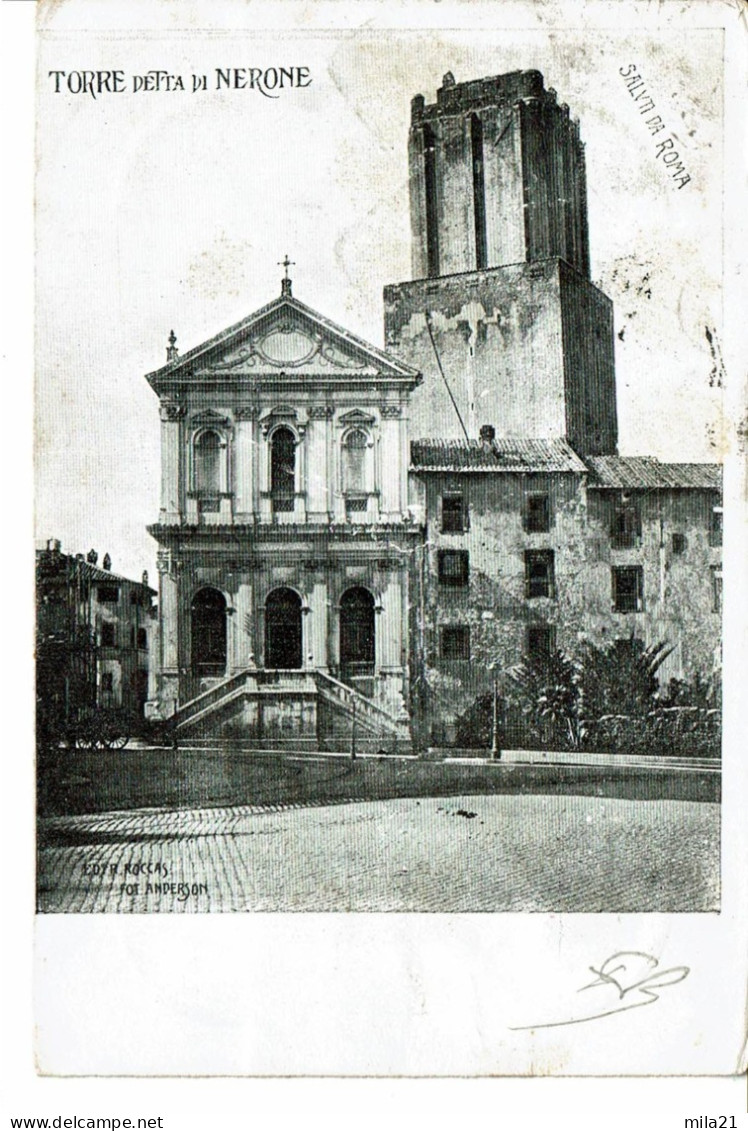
(537, 514)
(454, 642)
(454, 567)
(541, 642)
(107, 634)
(628, 589)
(142, 638)
(717, 589)
(626, 528)
(679, 543)
(453, 514)
(108, 594)
(715, 526)
(356, 504)
(539, 579)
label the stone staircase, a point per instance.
(294, 710)
(346, 714)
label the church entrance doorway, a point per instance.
(357, 639)
(283, 629)
(208, 633)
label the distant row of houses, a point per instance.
(95, 640)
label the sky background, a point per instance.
(163, 210)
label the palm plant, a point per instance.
(546, 690)
(620, 679)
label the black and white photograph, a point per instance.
(381, 468)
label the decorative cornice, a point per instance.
(166, 563)
(245, 355)
(283, 414)
(209, 417)
(332, 355)
(244, 564)
(185, 534)
(171, 412)
(355, 416)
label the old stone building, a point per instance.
(530, 548)
(537, 534)
(95, 637)
(350, 537)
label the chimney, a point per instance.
(107, 563)
(487, 437)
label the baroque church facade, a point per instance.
(286, 545)
(352, 540)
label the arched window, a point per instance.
(355, 446)
(208, 463)
(282, 469)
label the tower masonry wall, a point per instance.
(589, 364)
(527, 347)
(507, 142)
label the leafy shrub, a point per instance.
(606, 699)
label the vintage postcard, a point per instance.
(389, 507)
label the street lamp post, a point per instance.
(495, 751)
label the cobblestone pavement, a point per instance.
(473, 853)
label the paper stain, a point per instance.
(46, 10)
(222, 269)
(717, 372)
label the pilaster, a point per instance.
(168, 608)
(318, 477)
(454, 197)
(389, 627)
(318, 626)
(244, 468)
(242, 629)
(392, 469)
(171, 429)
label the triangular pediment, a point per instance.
(356, 417)
(285, 340)
(210, 417)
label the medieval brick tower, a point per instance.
(502, 318)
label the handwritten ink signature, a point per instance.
(621, 975)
